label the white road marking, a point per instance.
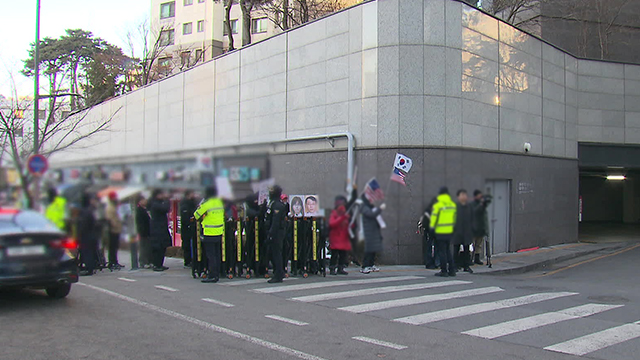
(241, 282)
(166, 288)
(379, 342)
(127, 280)
(375, 291)
(319, 285)
(218, 302)
(597, 341)
(286, 320)
(418, 300)
(480, 308)
(532, 322)
(208, 326)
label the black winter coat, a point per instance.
(159, 231)
(275, 220)
(371, 227)
(187, 208)
(86, 228)
(143, 222)
(463, 230)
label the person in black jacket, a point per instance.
(188, 206)
(463, 232)
(87, 235)
(143, 229)
(252, 212)
(430, 249)
(159, 207)
(275, 225)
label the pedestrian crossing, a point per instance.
(460, 303)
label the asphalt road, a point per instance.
(574, 310)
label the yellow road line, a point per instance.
(588, 261)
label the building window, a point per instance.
(199, 54)
(168, 10)
(164, 62)
(187, 28)
(201, 26)
(185, 58)
(234, 27)
(167, 37)
(188, 2)
(259, 25)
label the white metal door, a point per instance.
(499, 211)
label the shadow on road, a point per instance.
(13, 301)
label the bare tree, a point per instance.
(286, 14)
(247, 7)
(519, 13)
(595, 20)
(153, 47)
(228, 4)
(58, 133)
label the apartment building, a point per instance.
(188, 31)
(192, 31)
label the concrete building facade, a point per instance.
(455, 89)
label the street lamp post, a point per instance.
(36, 86)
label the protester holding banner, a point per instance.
(371, 224)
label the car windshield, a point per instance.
(25, 221)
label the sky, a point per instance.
(107, 19)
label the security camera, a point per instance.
(527, 147)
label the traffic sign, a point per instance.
(37, 164)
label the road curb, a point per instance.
(541, 264)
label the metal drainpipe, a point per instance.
(350, 151)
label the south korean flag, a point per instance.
(403, 163)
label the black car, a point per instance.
(34, 253)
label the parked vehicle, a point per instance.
(34, 253)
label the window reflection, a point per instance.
(478, 21)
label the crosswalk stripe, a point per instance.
(319, 285)
(286, 320)
(162, 287)
(379, 342)
(597, 341)
(480, 308)
(375, 291)
(218, 302)
(241, 282)
(532, 322)
(418, 300)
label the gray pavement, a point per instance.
(575, 310)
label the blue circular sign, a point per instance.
(37, 164)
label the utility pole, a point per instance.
(36, 99)
(36, 86)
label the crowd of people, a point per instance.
(455, 232)
(99, 227)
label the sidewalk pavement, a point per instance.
(502, 264)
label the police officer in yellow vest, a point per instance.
(56, 211)
(211, 215)
(443, 221)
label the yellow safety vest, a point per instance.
(212, 214)
(443, 215)
(56, 212)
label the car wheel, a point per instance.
(59, 292)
